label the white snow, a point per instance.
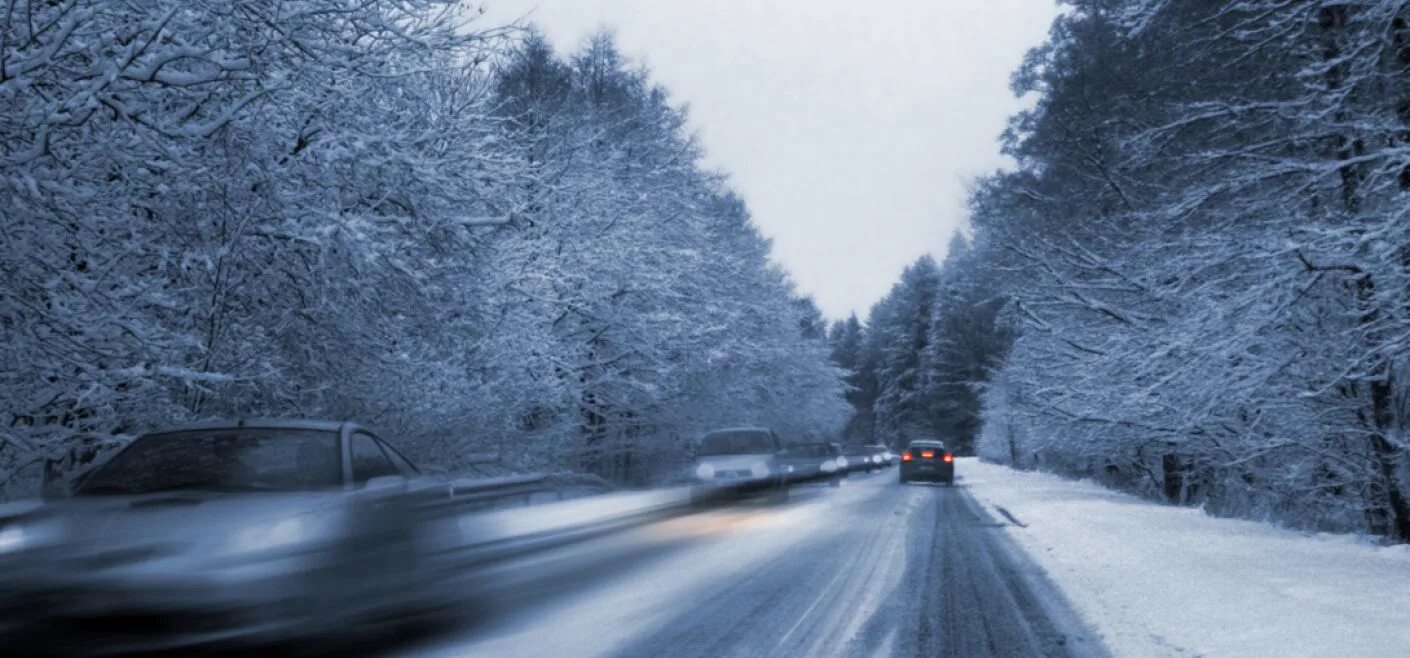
(1157, 580)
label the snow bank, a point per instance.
(1156, 580)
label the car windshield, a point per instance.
(808, 450)
(742, 442)
(221, 460)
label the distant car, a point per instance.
(861, 458)
(743, 460)
(228, 533)
(927, 460)
(881, 455)
(815, 462)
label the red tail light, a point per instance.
(927, 454)
(949, 458)
(906, 456)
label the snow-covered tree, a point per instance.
(1204, 244)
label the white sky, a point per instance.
(849, 126)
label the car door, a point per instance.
(383, 542)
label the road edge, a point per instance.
(1080, 638)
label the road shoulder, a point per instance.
(1158, 580)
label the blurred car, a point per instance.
(927, 460)
(861, 458)
(221, 534)
(744, 460)
(881, 455)
(815, 462)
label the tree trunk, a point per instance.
(1394, 517)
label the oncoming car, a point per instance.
(880, 455)
(744, 460)
(927, 460)
(861, 458)
(816, 462)
(221, 534)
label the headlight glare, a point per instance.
(704, 471)
(283, 533)
(12, 538)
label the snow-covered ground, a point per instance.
(1157, 580)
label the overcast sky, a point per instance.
(849, 126)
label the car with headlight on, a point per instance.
(740, 461)
(927, 460)
(222, 534)
(880, 455)
(815, 462)
(861, 458)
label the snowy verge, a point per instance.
(1156, 580)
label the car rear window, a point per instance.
(743, 442)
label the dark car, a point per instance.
(742, 460)
(927, 460)
(881, 455)
(245, 532)
(861, 458)
(815, 462)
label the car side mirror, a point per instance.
(57, 489)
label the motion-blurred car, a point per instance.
(927, 460)
(744, 460)
(861, 458)
(881, 455)
(815, 462)
(220, 534)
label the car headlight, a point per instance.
(704, 471)
(842, 462)
(828, 466)
(13, 538)
(286, 532)
(759, 470)
(16, 536)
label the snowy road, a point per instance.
(871, 569)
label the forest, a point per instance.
(1194, 284)
(385, 212)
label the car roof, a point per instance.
(928, 442)
(261, 423)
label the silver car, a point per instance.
(221, 534)
(743, 460)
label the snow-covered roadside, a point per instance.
(1156, 580)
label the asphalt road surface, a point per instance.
(874, 568)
